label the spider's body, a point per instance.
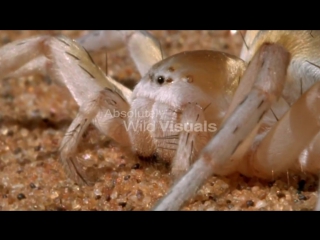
(205, 78)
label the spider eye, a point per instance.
(160, 79)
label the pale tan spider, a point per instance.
(177, 99)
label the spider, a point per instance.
(157, 123)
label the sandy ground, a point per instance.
(35, 113)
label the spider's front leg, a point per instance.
(97, 95)
(268, 69)
(98, 110)
(192, 138)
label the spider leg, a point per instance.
(103, 102)
(16, 54)
(144, 49)
(247, 43)
(282, 145)
(97, 95)
(309, 157)
(34, 66)
(192, 138)
(309, 161)
(268, 68)
(63, 57)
